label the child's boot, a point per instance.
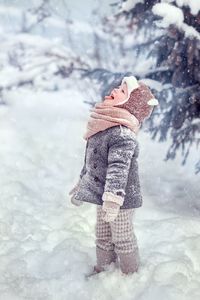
(129, 262)
(104, 258)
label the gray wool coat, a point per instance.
(111, 166)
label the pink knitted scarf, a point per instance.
(104, 116)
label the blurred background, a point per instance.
(57, 59)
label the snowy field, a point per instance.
(47, 244)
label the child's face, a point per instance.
(117, 95)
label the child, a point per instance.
(109, 177)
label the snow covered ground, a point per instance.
(47, 244)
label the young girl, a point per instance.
(109, 177)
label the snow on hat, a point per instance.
(140, 100)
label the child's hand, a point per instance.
(110, 211)
(73, 190)
(73, 200)
(76, 202)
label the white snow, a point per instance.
(170, 13)
(34, 58)
(47, 244)
(173, 15)
(193, 4)
(129, 4)
(12, 11)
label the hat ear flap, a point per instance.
(152, 102)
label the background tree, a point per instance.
(172, 40)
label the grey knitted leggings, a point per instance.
(117, 235)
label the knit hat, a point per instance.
(140, 101)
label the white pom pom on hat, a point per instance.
(133, 84)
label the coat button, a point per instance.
(95, 150)
(96, 178)
(95, 165)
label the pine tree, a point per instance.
(177, 69)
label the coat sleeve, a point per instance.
(121, 150)
(83, 170)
